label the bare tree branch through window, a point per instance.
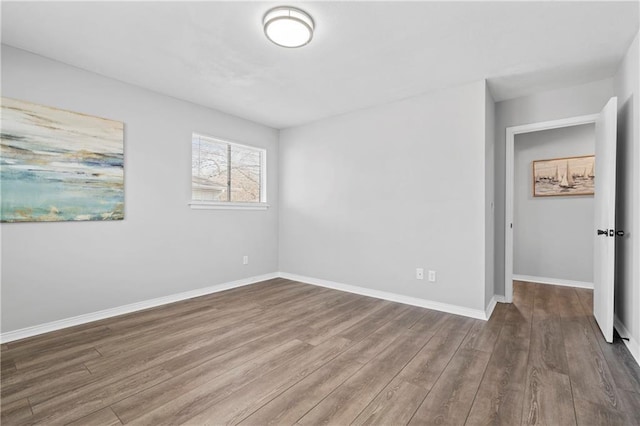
(224, 171)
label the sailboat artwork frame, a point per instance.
(564, 176)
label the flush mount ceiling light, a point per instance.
(288, 26)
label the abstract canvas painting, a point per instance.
(58, 165)
(564, 176)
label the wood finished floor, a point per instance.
(281, 352)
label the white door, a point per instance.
(605, 218)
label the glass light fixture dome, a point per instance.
(288, 26)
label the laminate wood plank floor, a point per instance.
(282, 352)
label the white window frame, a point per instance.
(230, 205)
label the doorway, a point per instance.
(510, 180)
(554, 179)
(604, 208)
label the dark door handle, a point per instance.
(610, 233)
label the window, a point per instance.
(226, 174)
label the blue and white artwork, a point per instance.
(58, 165)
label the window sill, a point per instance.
(213, 205)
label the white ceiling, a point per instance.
(363, 53)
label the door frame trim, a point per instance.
(509, 185)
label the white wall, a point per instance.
(546, 106)
(553, 236)
(489, 187)
(627, 89)
(368, 196)
(52, 271)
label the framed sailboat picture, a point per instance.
(564, 176)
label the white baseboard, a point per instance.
(553, 281)
(23, 333)
(632, 343)
(492, 305)
(393, 297)
(126, 309)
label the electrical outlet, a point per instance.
(432, 276)
(245, 260)
(419, 274)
